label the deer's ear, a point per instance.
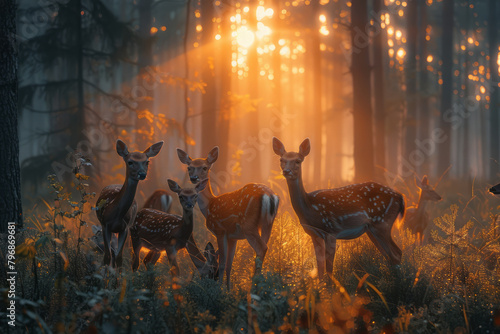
(418, 183)
(121, 148)
(213, 155)
(305, 147)
(174, 186)
(154, 149)
(184, 157)
(425, 180)
(278, 147)
(201, 185)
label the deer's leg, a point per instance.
(171, 254)
(231, 249)
(156, 256)
(148, 257)
(222, 244)
(260, 249)
(330, 248)
(106, 237)
(136, 247)
(383, 241)
(319, 249)
(122, 237)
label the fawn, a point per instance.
(158, 231)
(416, 218)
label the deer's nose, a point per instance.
(141, 175)
(194, 179)
(287, 171)
(189, 205)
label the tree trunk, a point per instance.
(378, 91)
(145, 130)
(424, 114)
(362, 109)
(252, 167)
(225, 116)
(447, 86)
(335, 132)
(411, 84)
(494, 94)
(317, 133)
(10, 183)
(278, 92)
(208, 104)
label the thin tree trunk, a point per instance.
(10, 183)
(186, 73)
(334, 141)
(378, 91)
(494, 90)
(447, 22)
(423, 98)
(362, 109)
(208, 104)
(317, 95)
(224, 117)
(145, 59)
(253, 168)
(411, 83)
(277, 93)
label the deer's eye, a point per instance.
(205, 169)
(130, 163)
(297, 161)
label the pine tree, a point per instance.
(81, 38)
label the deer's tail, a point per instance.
(270, 203)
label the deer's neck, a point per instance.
(298, 196)
(187, 226)
(125, 197)
(422, 203)
(205, 197)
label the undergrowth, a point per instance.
(450, 285)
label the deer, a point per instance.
(416, 218)
(495, 190)
(160, 231)
(233, 216)
(340, 213)
(159, 200)
(116, 207)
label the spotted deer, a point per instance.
(341, 213)
(416, 217)
(116, 207)
(159, 200)
(247, 213)
(160, 231)
(495, 190)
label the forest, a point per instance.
(350, 146)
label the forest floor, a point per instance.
(449, 285)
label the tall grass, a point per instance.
(450, 285)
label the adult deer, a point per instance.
(341, 213)
(495, 190)
(160, 231)
(416, 218)
(234, 216)
(116, 207)
(159, 200)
